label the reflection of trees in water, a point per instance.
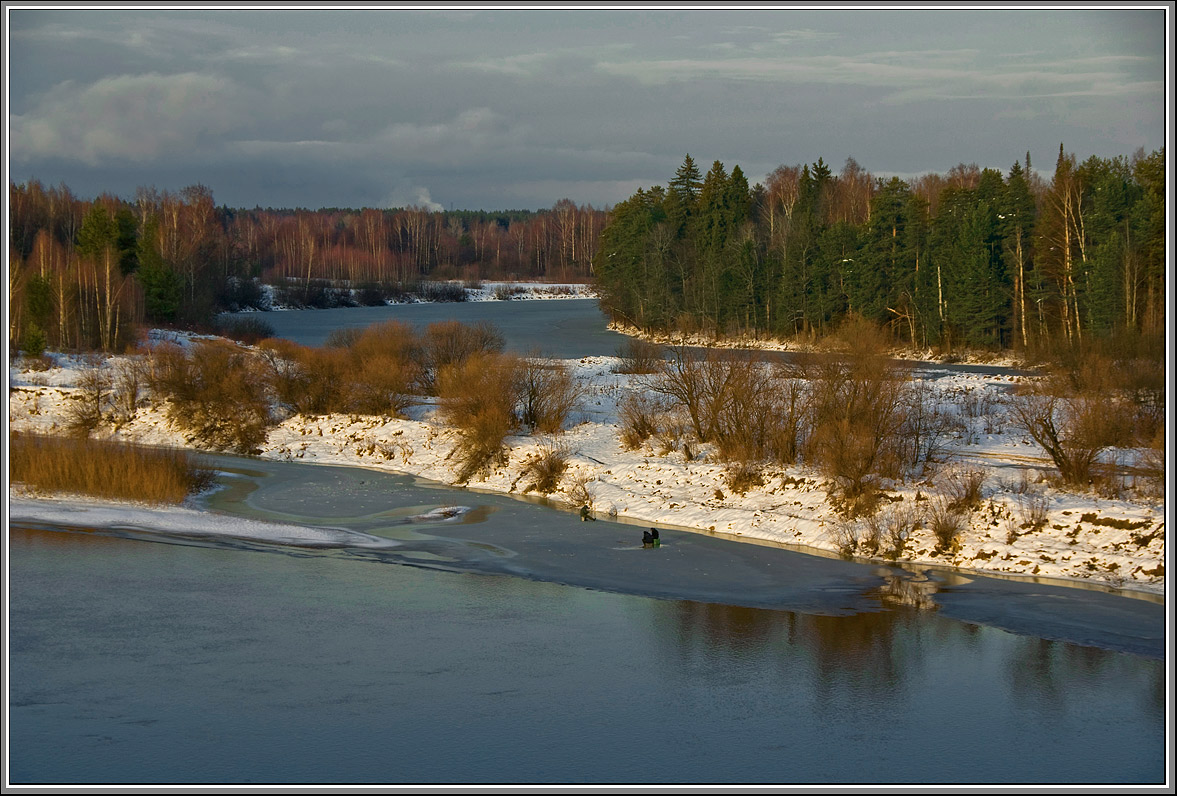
(714, 627)
(1055, 676)
(864, 654)
(861, 653)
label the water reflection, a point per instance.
(322, 667)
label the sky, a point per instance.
(484, 108)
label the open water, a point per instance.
(513, 644)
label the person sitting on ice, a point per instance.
(585, 515)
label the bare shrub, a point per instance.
(383, 365)
(700, 383)
(36, 364)
(546, 468)
(785, 418)
(578, 493)
(550, 395)
(898, 522)
(672, 436)
(925, 428)
(440, 291)
(1099, 394)
(343, 338)
(309, 380)
(1019, 486)
(478, 397)
(871, 542)
(1011, 529)
(90, 402)
(449, 343)
(946, 523)
(1033, 510)
(845, 535)
(248, 330)
(748, 412)
(856, 415)
(853, 504)
(638, 356)
(740, 476)
(216, 391)
(128, 383)
(1073, 429)
(964, 487)
(640, 417)
(1152, 466)
(857, 405)
(371, 371)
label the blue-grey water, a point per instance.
(564, 328)
(515, 644)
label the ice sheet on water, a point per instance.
(185, 522)
(441, 514)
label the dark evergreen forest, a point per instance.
(972, 259)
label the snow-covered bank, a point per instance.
(1117, 541)
(479, 291)
(754, 343)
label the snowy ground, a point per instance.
(1117, 542)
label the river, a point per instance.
(513, 644)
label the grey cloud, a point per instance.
(131, 117)
(496, 108)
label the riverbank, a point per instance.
(1024, 525)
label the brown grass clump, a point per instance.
(946, 524)
(546, 468)
(103, 469)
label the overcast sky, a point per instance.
(516, 109)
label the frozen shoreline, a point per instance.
(1116, 543)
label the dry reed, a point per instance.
(103, 469)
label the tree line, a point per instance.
(83, 274)
(972, 258)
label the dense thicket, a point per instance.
(973, 258)
(83, 273)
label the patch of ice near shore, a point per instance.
(182, 522)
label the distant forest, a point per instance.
(84, 274)
(971, 258)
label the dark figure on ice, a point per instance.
(585, 515)
(650, 538)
